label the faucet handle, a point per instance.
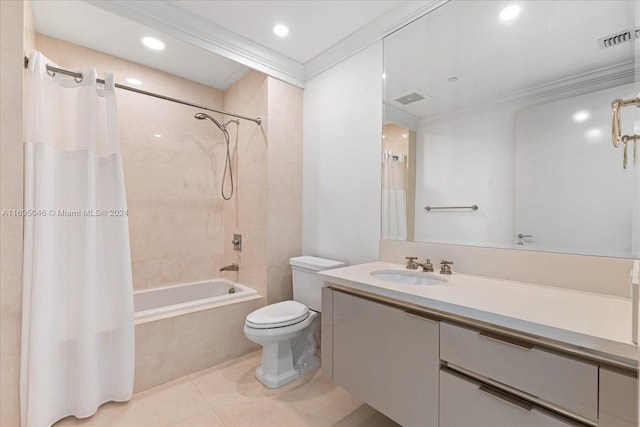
(427, 267)
(411, 262)
(445, 267)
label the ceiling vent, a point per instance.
(619, 38)
(411, 97)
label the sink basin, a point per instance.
(408, 277)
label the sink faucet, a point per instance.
(427, 267)
(232, 267)
(445, 267)
(413, 265)
(411, 262)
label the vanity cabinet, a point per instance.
(562, 381)
(423, 372)
(618, 399)
(465, 402)
(387, 356)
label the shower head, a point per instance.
(202, 116)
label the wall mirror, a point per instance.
(498, 127)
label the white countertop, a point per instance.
(595, 323)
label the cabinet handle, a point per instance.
(506, 398)
(420, 316)
(506, 340)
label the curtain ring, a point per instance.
(51, 73)
(79, 78)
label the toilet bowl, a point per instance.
(288, 331)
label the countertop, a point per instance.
(593, 323)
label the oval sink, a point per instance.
(408, 277)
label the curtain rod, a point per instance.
(80, 76)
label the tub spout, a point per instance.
(232, 267)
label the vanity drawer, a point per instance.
(563, 381)
(465, 402)
(618, 399)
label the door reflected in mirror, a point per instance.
(513, 116)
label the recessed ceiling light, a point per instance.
(581, 116)
(152, 43)
(384, 76)
(452, 79)
(280, 30)
(157, 135)
(133, 81)
(404, 135)
(510, 12)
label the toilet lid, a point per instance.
(278, 315)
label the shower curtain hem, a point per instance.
(92, 412)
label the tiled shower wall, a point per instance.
(172, 167)
(16, 27)
(181, 228)
(267, 209)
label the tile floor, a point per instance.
(229, 395)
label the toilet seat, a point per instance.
(277, 315)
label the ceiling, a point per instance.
(314, 26)
(550, 48)
(217, 42)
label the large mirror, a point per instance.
(498, 127)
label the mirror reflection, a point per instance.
(498, 127)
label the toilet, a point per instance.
(288, 330)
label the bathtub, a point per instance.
(170, 299)
(186, 328)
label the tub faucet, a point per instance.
(232, 267)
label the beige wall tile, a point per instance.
(172, 181)
(246, 212)
(284, 187)
(16, 38)
(585, 273)
(170, 348)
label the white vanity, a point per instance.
(477, 351)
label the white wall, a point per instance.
(342, 129)
(572, 193)
(462, 162)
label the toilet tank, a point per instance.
(306, 283)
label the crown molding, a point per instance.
(386, 24)
(169, 19)
(602, 78)
(400, 117)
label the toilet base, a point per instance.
(275, 381)
(285, 359)
(276, 367)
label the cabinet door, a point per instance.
(387, 357)
(464, 403)
(569, 383)
(618, 399)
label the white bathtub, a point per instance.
(169, 299)
(183, 329)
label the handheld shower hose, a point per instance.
(227, 162)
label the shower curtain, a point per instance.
(77, 319)
(394, 197)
